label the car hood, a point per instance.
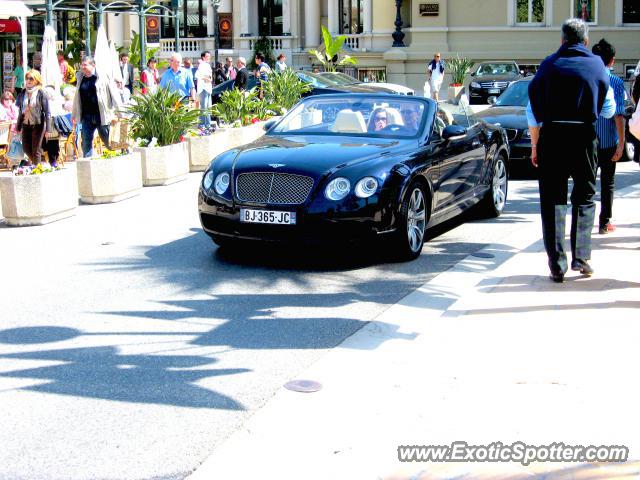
(311, 155)
(495, 78)
(507, 117)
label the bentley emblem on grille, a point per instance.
(495, 85)
(276, 165)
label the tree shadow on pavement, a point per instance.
(104, 373)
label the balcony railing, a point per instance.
(277, 43)
(188, 46)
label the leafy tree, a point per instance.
(330, 58)
(263, 45)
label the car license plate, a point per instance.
(274, 217)
(494, 90)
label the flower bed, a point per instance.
(109, 179)
(39, 198)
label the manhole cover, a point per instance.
(304, 386)
(483, 255)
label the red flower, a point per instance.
(255, 120)
(182, 138)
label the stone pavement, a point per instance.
(488, 351)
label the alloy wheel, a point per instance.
(499, 184)
(416, 220)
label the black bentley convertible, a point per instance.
(356, 166)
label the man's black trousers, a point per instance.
(567, 150)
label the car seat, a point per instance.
(348, 121)
(394, 117)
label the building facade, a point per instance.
(521, 30)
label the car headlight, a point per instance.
(222, 183)
(337, 189)
(526, 133)
(366, 187)
(207, 181)
(474, 85)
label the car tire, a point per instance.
(413, 217)
(492, 205)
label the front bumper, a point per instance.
(363, 220)
(483, 93)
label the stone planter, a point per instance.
(39, 199)
(204, 149)
(164, 165)
(454, 94)
(108, 180)
(242, 135)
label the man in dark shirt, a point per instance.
(566, 96)
(242, 77)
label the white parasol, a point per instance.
(102, 55)
(50, 69)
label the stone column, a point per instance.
(286, 16)
(244, 17)
(210, 20)
(333, 17)
(367, 21)
(311, 23)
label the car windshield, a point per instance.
(315, 80)
(339, 78)
(359, 115)
(487, 69)
(517, 95)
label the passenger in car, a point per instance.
(411, 118)
(378, 120)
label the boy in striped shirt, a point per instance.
(610, 133)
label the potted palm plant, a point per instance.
(459, 68)
(158, 124)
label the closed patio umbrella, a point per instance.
(50, 69)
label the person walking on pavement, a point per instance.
(34, 117)
(149, 77)
(610, 132)
(569, 91)
(204, 77)
(178, 79)
(281, 64)
(95, 105)
(126, 69)
(435, 75)
(242, 75)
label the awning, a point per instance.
(14, 8)
(9, 26)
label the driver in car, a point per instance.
(378, 120)
(411, 118)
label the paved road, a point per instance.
(130, 346)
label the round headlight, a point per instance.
(207, 181)
(366, 187)
(222, 183)
(337, 189)
(474, 85)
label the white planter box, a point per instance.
(108, 180)
(242, 135)
(39, 199)
(164, 165)
(204, 149)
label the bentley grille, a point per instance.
(275, 188)
(494, 84)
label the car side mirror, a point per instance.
(492, 100)
(453, 131)
(268, 124)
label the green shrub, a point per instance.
(284, 89)
(459, 68)
(235, 106)
(161, 115)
